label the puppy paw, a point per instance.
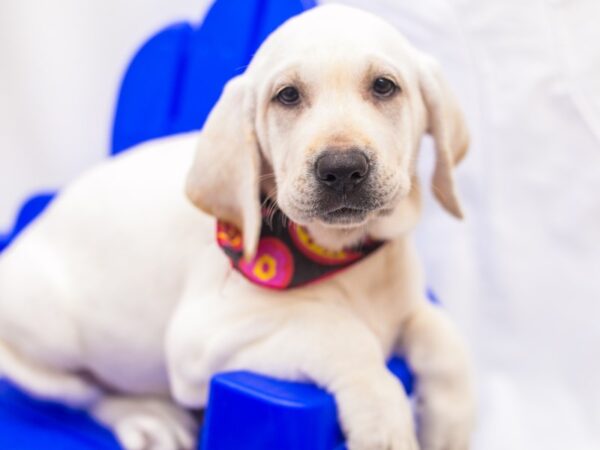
(188, 393)
(147, 424)
(445, 417)
(383, 438)
(376, 415)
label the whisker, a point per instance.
(271, 215)
(272, 207)
(266, 176)
(268, 198)
(264, 202)
(284, 220)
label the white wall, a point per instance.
(520, 277)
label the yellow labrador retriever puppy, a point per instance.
(120, 299)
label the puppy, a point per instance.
(120, 300)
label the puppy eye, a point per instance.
(384, 87)
(288, 96)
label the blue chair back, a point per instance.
(177, 76)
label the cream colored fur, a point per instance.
(119, 300)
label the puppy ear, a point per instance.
(446, 123)
(224, 178)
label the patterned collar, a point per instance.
(286, 255)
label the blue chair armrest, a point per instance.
(255, 412)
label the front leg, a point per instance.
(298, 340)
(438, 359)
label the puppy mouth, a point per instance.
(344, 211)
(348, 210)
(344, 215)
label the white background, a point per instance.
(521, 276)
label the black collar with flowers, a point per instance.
(286, 255)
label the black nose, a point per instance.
(342, 170)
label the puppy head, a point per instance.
(327, 120)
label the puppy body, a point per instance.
(93, 288)
(136, 306)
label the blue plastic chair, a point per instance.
(169, 87)
(29, 211)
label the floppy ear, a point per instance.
(445, 122)
(224, 178)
